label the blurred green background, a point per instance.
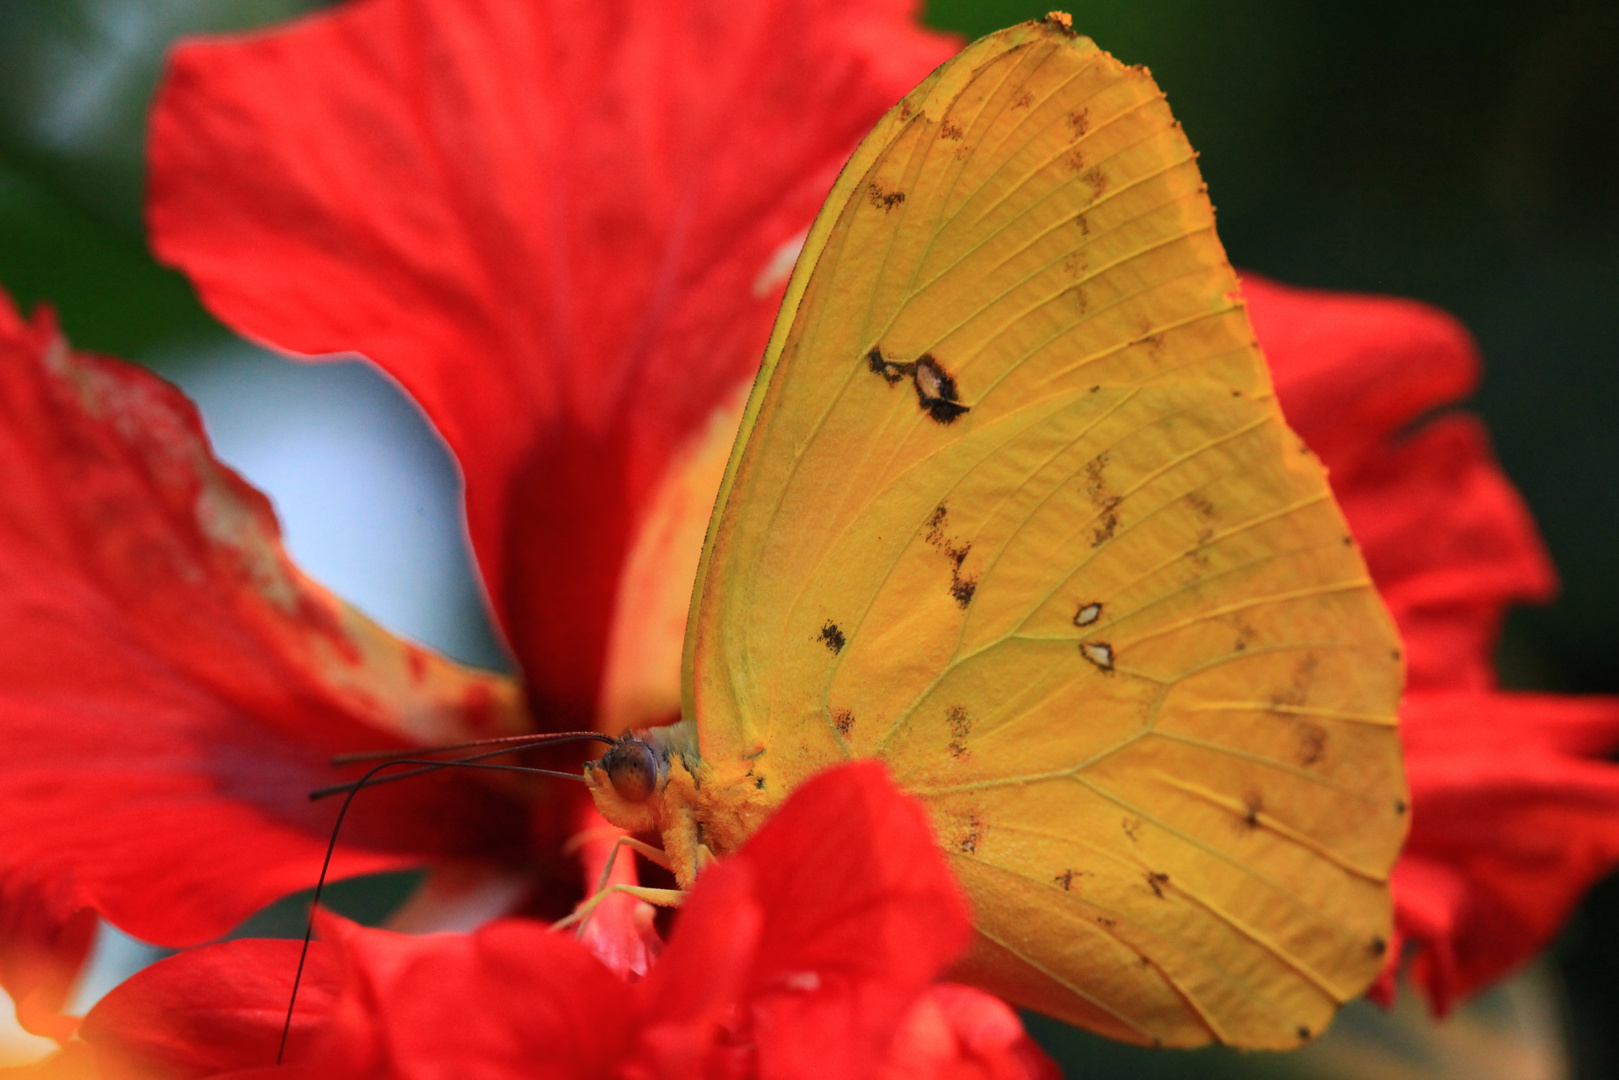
(1463, 153)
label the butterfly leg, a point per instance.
(645, 850)
(581, 914)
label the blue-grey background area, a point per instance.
(1463, 153)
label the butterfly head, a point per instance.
(631, 782)
(634, 768)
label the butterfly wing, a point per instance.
(1015, 509)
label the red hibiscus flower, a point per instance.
(565, 227)
(824, 924)
(1515, 812)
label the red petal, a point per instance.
(1451, 546)
(210, 1010)
(1352, 371)
(1511, 823)
(692, 1010)
(853, 882)
(171, 686)
(1448, 540)
(956, 1032)
(553, 222)
(512, 1000)
(856, 911)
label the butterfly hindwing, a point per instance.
(1015, 510)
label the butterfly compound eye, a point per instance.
(633, 769)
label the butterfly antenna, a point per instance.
(424, 765)
(516, 742)
(506, 745)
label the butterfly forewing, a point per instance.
(1015, 510)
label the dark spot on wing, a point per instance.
(759, 782)
(1066, 880)
(1304, 1031)
(1096, 180)
(963, 590)
(1108, 523)
(960, 726)
(843, 720)
(1132, 828)
(832, 637)
(1156, 882)
(971, 837)
(1106, 504)
(1399, 806)
(951, 131)
(1312, 743)
(1379, 946)
(1023, 100)
(882, 198)
(1095, 485)
(891, 372)
(1079, 122)
(936, 392)
(1205, 515)
(1252, 807)
(1099, 653)
(962, 587)
(1075, 160)
(1297, 690)
(1088, 613)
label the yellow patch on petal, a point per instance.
(641, 681)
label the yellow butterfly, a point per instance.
(1013, 509)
